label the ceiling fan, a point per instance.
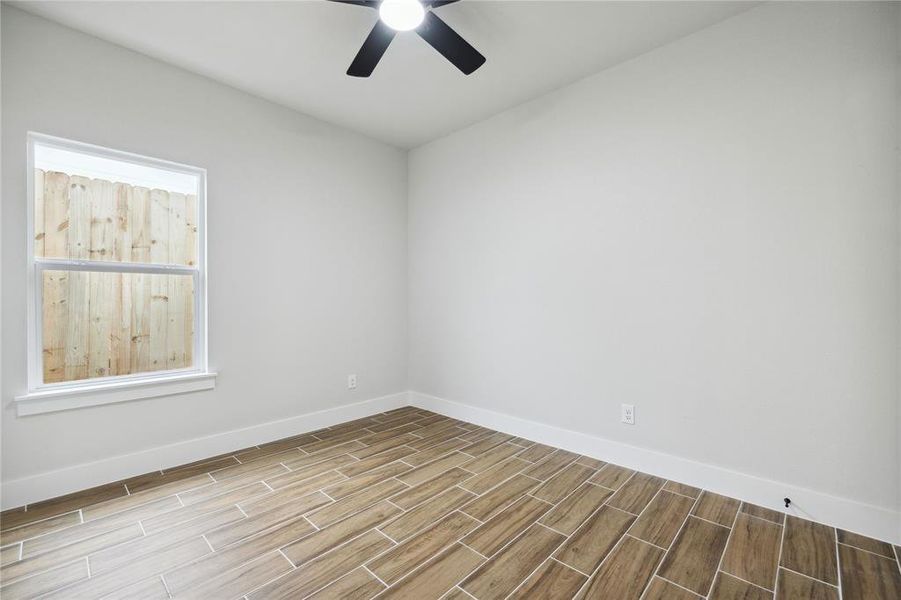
(407, 15)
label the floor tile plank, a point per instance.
(727, 587)
(233, 532)
(563, 483)
(188, 574)
(325, 569)
(404, 558)
(865, 543)
(681, 488)
(661, 589)
(237, 582)
(415, 495)
(793, 586)
(11, 536)
(426, 513)
(867, 576)
(494, 501)
(437, 576)
(320, 542)
(536, 453)
(753, 551)
(717, 509)
(661, 520)
(763, 513)
(550, 465)
(112, 558)
(552, 581)
(423, 473)
(695, 555)
(572, 512)
(62, 504)
(491, 458)
(32, 587)
(591, 542)
(612, 476)
(504, 572)
(141, 568)
(506, 525)
(359, 584)
(809, 549)
(494, 475)
(342, 509)
(626, 573)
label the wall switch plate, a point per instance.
(628, 414)
(352, 382)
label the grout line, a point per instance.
(165, 585)
(679, 494)
(681, 587)
(760, 587)
(557, 560)
(808, 576)
(779, 558)
(627, 534)
(462, 543)
(715, 523)
(368, 570)
(87, 561)
(838, 563)
(867, 551)
(457, 587)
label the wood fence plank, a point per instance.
(55, 312)
(175, 334)
(51, 238)
(139, 226)
(159, 284)
(79, 245)
(102, 306)
(56, 215)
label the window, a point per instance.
(117, 303)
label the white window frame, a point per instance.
(48, 397)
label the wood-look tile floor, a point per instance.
(410, 504)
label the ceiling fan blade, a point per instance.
(449, 43)
(367, 3)
(371, 51)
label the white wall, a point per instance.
(307, 244)
(709, 231)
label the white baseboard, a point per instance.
(28, 490)
(874, 521)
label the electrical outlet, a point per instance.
(628, 414)
(352, 382)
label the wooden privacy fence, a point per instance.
(100, 324)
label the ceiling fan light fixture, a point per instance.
(401, 15)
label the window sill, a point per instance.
(54, 400)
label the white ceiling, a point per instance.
(296, 53)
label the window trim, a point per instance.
(44, 397)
